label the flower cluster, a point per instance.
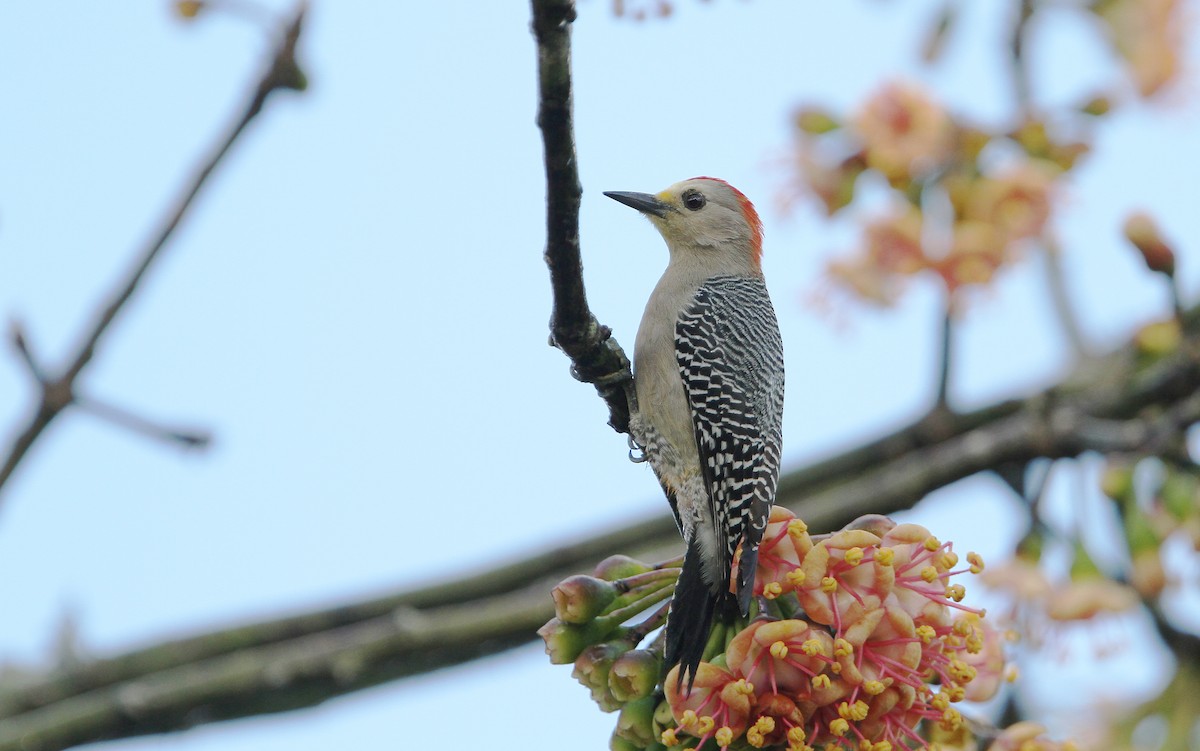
(902, 135)
(866, 638)
(857, 640)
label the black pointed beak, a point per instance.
(643, 202)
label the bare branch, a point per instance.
(596, 357)
(198, 439)
(286, 675)
(58, 392)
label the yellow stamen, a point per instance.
(929, 574)
(842, 648)
(812, 647)
(705, 725)
(796, 577)
(724, 736)
(839, 727)
(820, 681)
(951, 720)
(796, 736)
(874, 688)
(856, 711)
(743, 687)
(926, 633)
(961, 671)
(931, 543)
(687, 719)
(797, 528)
(668, 737)
(854, 556)
(976, 561)
(885, 556)
(956, 592)
(772, 590)
(779, 650)
(828, 584)
(948, 560)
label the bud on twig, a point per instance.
(814, 121)
(620, 567)
(1141, 230)
(581, 598)
(565, 641)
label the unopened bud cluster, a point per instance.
(857, 640)
(590, 629)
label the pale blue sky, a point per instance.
(357, 307)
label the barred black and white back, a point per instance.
(730, 357)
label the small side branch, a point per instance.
(58, 391)
(596, 357)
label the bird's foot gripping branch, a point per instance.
(857, 640)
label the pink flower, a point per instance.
(785, 543)
(977, 251)
(1026, 736)
(893, 242)
(904, 132)
(1016, 202)
(780, 656)
(842, 579)
(1085, 599)
(718, 705)
(984, 652)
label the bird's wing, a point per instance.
(730, 357)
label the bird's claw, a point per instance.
(641, 455)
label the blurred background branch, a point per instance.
(61, 390)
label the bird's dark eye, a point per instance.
(694, 200)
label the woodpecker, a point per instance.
(708, 372)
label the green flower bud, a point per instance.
(636, 722)
(565, 641)
(634, 674)
(1097, 105)
(815, 121)
(619, 566)
(592, 668)
(579, 599)
(617, 743)
(1159, 339)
